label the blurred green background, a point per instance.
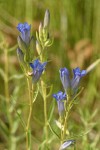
(75, 27)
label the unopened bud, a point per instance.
(40, 27)
(38, 47)
(40, 31)
(46, 19)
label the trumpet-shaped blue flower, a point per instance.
(67, 82)
(25, 31)
(60, 96)
(78, 74)
(38, 68)
(65, 79)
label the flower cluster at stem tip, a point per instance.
(25, 38)
(69, 85)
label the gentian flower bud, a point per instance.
(65, 79)
(67, 144)
(60, 96)
(40, 30)
(38, 68)
(46, 18)
(38, 47)
(78, 74)
(25, 31)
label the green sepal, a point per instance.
(32, 47)
(38, 47)
(45, 34)
(20, 56)
(22, 62)
(37, 36)
(24, 48)
(41, 31)
(48, 43)
(22, 45)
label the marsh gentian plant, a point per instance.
(33, 69)
(71, 87)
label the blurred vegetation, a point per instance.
(75, 26)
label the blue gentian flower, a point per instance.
(25, 31)
(67, 144)
(38, 68)
(78, 74)
(60, 96)
(74, 83)
(65, 79)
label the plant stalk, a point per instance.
(28, 127)
(45, 109)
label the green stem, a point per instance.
(29, 84)
(44, 94)
(61, 121)
(67, 109)
(45, 109)
(65, 125)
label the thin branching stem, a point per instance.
(45, 108)
(30, 88)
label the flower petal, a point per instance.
(65, 79)
(25, 31)
(38, 68)
(60, 96)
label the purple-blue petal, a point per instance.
(60, 106)
(78, 72)
(65, 79)
(22, 27)
(38, 68)
(83, 73)
(25, 31)
(60, 96)
(35, 64)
